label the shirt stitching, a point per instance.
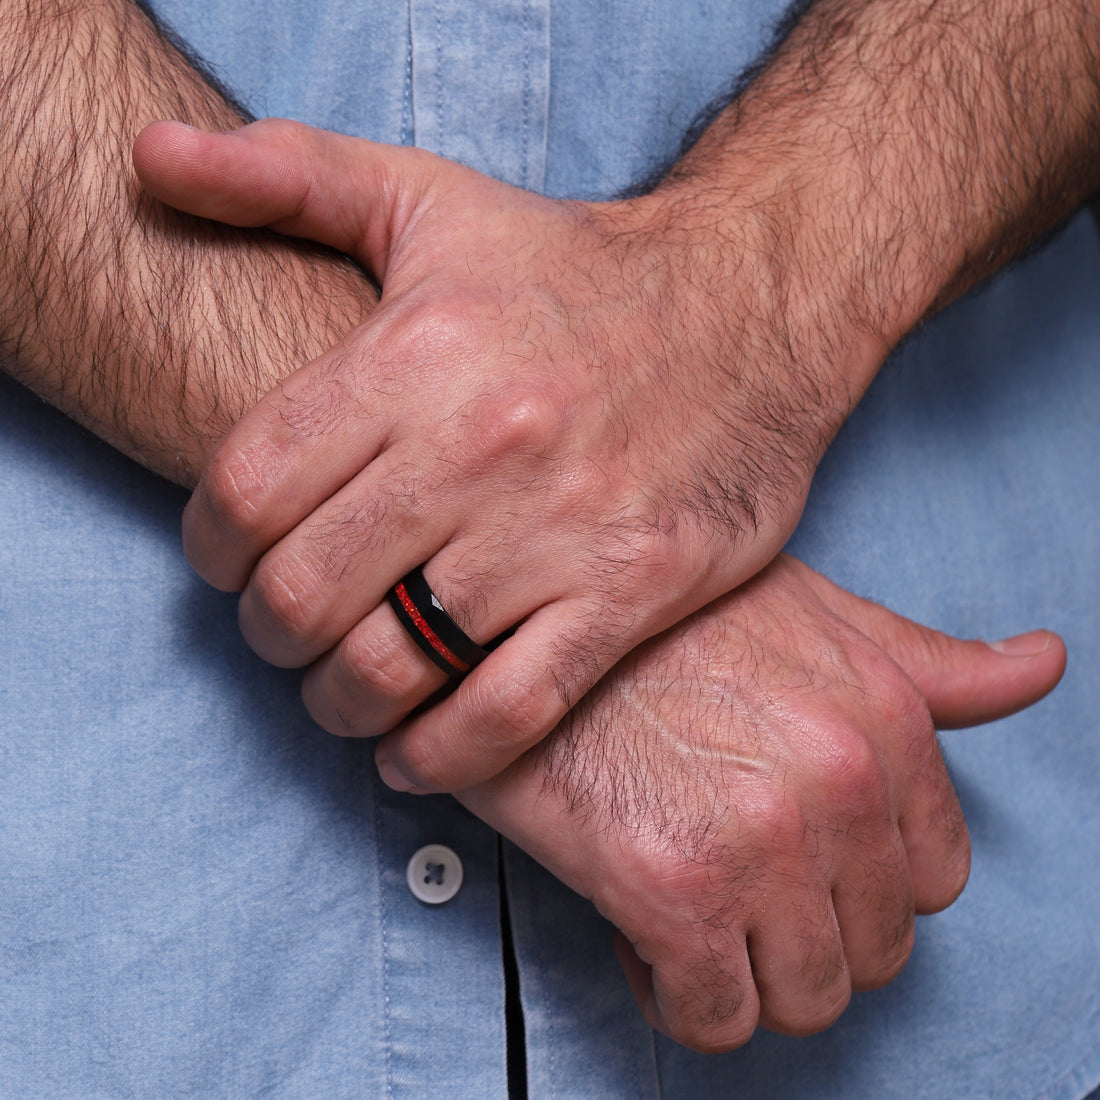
(387, 1022)
(406, 98)
(526, 92)
(439, 143)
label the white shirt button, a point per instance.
(434, 874)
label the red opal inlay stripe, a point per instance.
(421, 623)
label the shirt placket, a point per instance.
(481, 84)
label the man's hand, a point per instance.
(757, 800)
(589, 420)
(582, 419)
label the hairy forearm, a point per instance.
(154, 329)
(894, 153)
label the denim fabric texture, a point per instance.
(201, 894)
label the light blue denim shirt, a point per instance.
(203, 895)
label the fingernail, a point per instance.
(1023, 645)
(392, 775)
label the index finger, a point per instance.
(285, 457)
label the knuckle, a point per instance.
(641, 547)
(522, 418)
(654, 555)
(437, 331)
(282, 593)
(902, 713)
(666, 563)
(815, 994)
(894, 954)
(909, 713)
(897, 955)
(280, 129)
(714, 1003)
(815, 1014)
(852, 772)
(320, 402)
(508, 710)
(346, 536)
(952, 873)
(778, 827)
(327, 713)
(234, 491)
(717, 1035)
(778, 813)
(582, 658)
(377, 664)
(426, 758)
(956, 866)
(901, 946)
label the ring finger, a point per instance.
(406, 650)
(334, 568)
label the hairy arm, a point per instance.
(893, 155)
(758, 802)
(154, 329)
(629, 398)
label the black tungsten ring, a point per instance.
(424, 618)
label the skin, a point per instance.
(152, 328)
(588, 420)
(484, 421)
(756, 799)
(156, 331)
(758, 802)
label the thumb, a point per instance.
(964, 683)
(353, 195)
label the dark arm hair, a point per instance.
(154, 329)
(926, 142)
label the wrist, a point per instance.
(759, 256)
(893, 154)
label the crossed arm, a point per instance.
(627, 400)
(157, 331)
(154, 329)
